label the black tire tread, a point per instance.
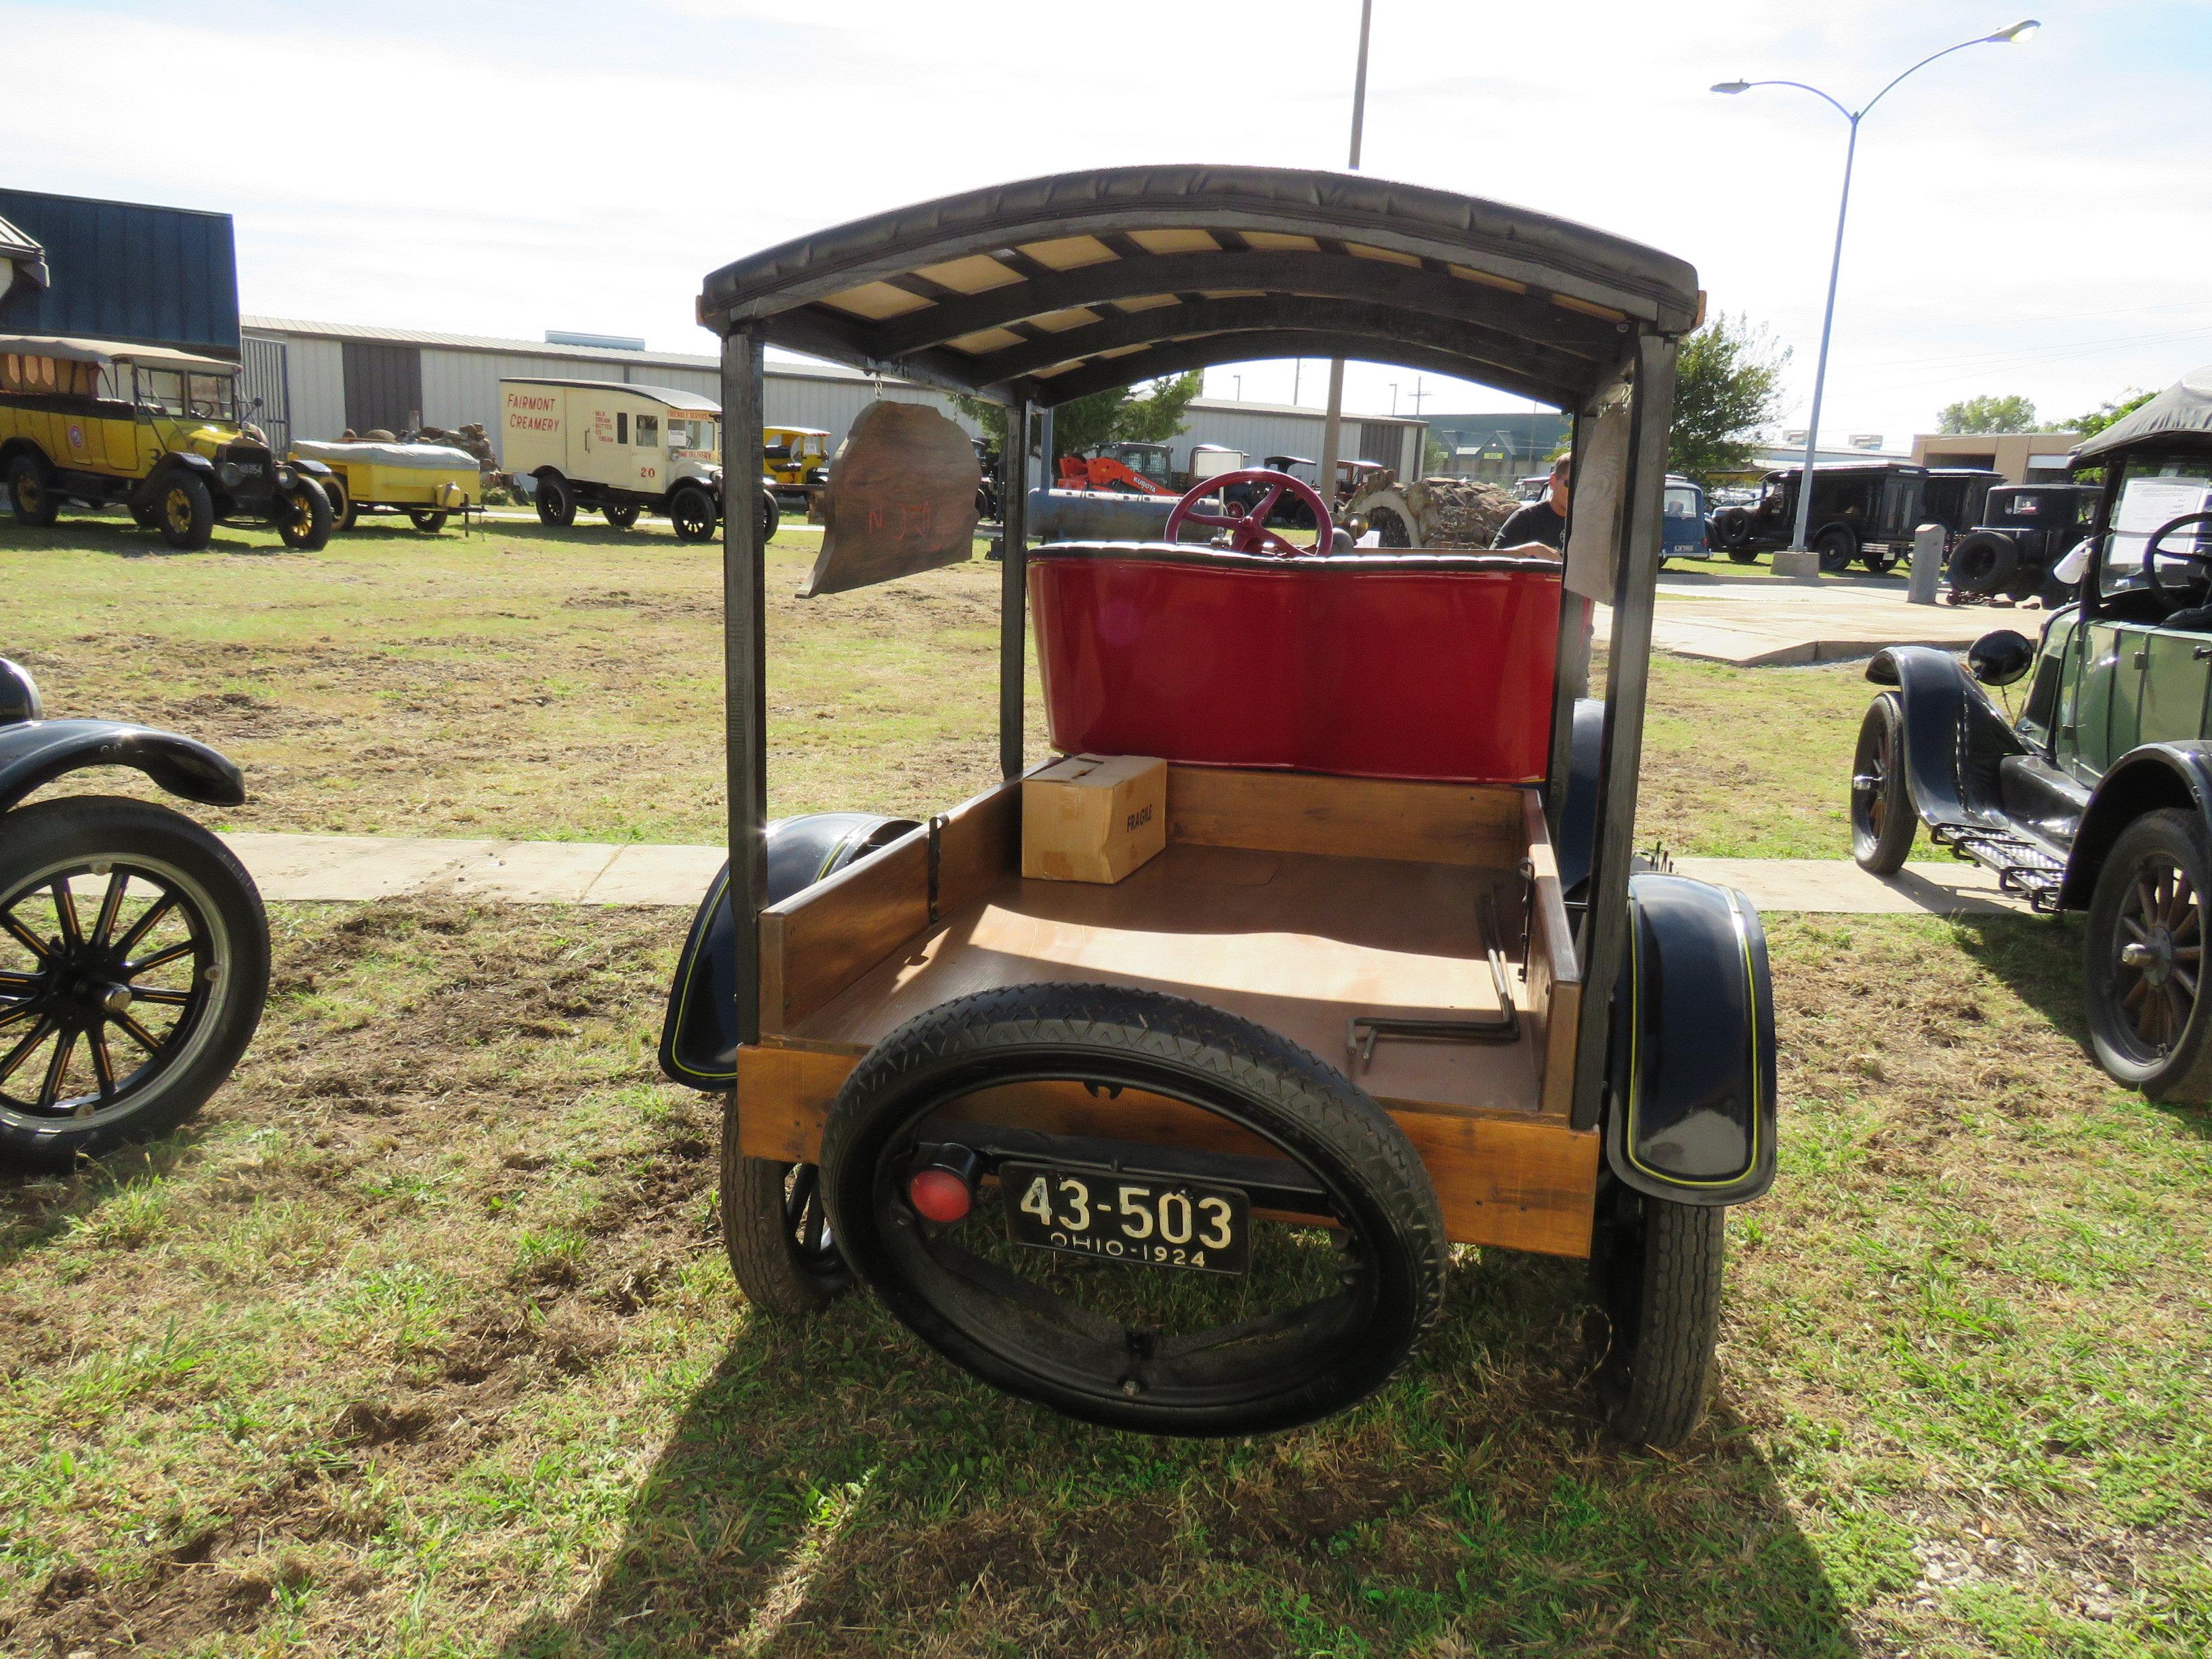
(1669, 1381)
(766, 1267)
(1886, 853)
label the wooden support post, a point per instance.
(744, 656)
(1628, 673)
(1013, 585)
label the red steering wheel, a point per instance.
(1248, 531)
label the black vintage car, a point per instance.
(1956, 497)
(2097, 796)
(2023, 530)
(134, 954)
(1866, 512)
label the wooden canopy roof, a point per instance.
(1053, 289)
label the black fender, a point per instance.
(699, 1037)
(1955, 736)
(1692, 1112)
(313, 469)
(35, 752)
(2145, 779)
(191, 460)
(1578, 836)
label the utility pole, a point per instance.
(1331, 426)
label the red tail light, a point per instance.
(939, 1195)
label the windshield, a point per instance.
(692, 436)
(173, 391)
(2153, 494)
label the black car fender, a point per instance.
(35, 752)
(313, 469)
(2145, 779)
(1577, 834)
(699, 1036)
(191, 460)
(1955, 736)
(1691, 1115)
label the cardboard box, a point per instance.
(1093, 818)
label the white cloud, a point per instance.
(2025, 218)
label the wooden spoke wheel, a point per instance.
(2145, 953)
(134, 960)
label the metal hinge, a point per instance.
(937, 822)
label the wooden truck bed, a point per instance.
(1293, 900)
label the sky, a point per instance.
(2029, 218)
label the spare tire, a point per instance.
(1002, 1311)
(1983, 563)
(1732, 526)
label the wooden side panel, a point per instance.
(1345, 818)
(979, 844)
(1554, 974)
(818, 941)
(1518, 1183)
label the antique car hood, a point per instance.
(2183, 409)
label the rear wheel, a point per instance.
(1836, 547)
(2144, 958)
(691, 511)
(31, 491)
(1308, 1320)
(1883, 820)
(1657, 1273)
(303, 515)
(186, 510)
(134, 960)
(556, 501)
(621, 517)
(428, 522)
(777, 1230)
(342, 508)
(771, 515)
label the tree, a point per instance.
(1988, 413)
(1152, 413)
(1728, 383)
(2105, 413)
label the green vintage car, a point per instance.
(2097, 794)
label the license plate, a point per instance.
(1161, 1221)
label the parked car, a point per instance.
(1864, 511)
(1187, 1152)
(96, 423)
(795, 462)
(134, 954)
(623, 448)
(1957, 498)
(2097, 796)
(2025, 530)
(1682, 525)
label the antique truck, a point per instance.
(2093, 797)
(623, 448)
(1865, 511)
(2023, 532)
(95, 423)
(1187, 1151)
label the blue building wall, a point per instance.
(124, 271)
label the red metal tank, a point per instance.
(1432, 665)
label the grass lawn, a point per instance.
(420, 1341)
(521, 683)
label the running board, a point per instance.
(2023, 866)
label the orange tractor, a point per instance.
(1132, 468)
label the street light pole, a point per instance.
(1332, 423)
(1802, 561)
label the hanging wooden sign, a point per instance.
(901, 499)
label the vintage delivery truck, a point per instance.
(624, 449)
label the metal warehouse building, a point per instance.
(317, 379)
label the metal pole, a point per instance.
(1013, 590)
(744, 658)
(1332, 425)
(1808, 563)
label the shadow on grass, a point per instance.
(124, 539)
(832, 1488)
(40, 1205)
(2039, 959)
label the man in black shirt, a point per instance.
(1542, 524)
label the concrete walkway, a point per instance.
(358, 867)
(1777, 621)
